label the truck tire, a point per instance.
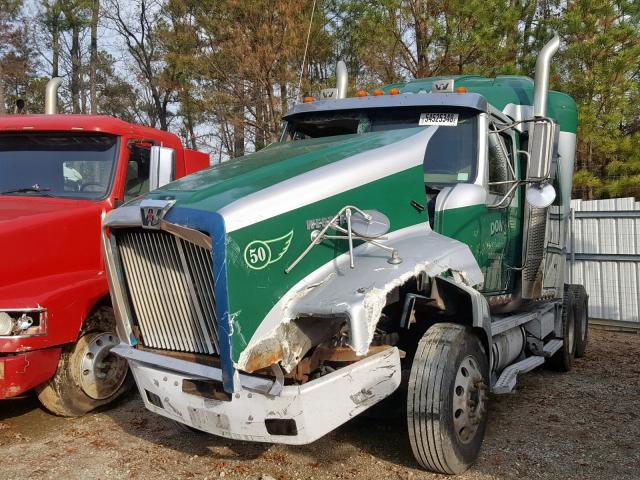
(562, 360)
(447, 399)
(88, 374)
(581, 312)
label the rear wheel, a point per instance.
(88, 374)
(447, 399)
(562, 360)
(581, 312)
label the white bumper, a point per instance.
(313, 409)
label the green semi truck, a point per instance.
(418, 230)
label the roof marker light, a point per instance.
(394, 91)
(377, 92)
(307, 99)
(462, 90)
(361, 93)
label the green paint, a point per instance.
(501, 91)
(216, 187)
(252, 293)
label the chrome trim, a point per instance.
(188, 234)
(51, 96)
(170, 289)
(129, 216)
(541, 82)
(482, 172)
(342, 78)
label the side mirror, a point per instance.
(541, 135)
(541, 195)
(162, 168)
(373, 227)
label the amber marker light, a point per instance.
(307, 99)
(361, 93)
(394, 91)
(377, 92)
(461, 90)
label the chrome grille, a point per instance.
(170, 286)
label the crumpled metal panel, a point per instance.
(360, 294)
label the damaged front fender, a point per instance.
(355, 295)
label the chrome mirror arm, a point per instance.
(318, 236)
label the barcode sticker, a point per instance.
(446, 119)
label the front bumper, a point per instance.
(307, 412)
(23, 371)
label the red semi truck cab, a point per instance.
(59, 175)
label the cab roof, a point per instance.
(499, 92)
(75, 123)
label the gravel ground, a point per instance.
(580, 425)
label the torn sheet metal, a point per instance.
(359, 294)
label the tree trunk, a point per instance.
(238, 123)
(55, 46)
(422, 38)
(93, 61)
(75, 68)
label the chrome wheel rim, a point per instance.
(102, 373)
(469, 400)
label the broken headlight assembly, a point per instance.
(23, 322)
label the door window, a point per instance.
(137, 179)
(501, 171)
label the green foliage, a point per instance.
(222, 72)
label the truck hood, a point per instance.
(220, 186)
(42, 237)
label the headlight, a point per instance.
(25, 322)
(6, 323)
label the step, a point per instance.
(507, 381)
(502, 324)
(551, 347)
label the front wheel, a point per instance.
(447, 399)
(88, 374)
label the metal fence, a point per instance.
(604, 255)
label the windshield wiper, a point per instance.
(34, 188)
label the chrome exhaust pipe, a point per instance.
(342, 78)
(51, 96)
(541, 82)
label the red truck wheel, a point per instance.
(88, 374)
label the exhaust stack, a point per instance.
(541, 134)
(541, 83)
(51, 96)
(342, 78)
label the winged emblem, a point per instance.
(258, 254)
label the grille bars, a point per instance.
(170, 283)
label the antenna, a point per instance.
(306, 48)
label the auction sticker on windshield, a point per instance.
(444, 119)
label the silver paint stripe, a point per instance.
(327, 181)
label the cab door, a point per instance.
(485, 214)
(502, 230)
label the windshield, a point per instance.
(451, 154)
(69, 165)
